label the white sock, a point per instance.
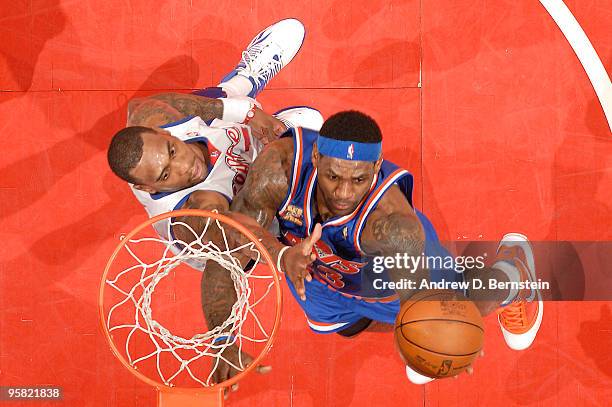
(237, 86)
(513, 275)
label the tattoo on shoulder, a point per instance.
(151, 113)
(395, 233)
(265, 188)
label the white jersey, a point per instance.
(232, 150)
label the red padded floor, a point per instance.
(484, 102)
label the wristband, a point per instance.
(235, 110)
(280, 256)
(250, 114)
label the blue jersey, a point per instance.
(341, 263)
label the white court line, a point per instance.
(585, 52)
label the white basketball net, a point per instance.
(210, 344)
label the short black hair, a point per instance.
(125, 151)
(351, 125)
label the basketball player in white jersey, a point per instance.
(193, 151)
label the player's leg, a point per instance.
(356, 328)
(326, 311)
(270, 51)
(375, 316)
(519, 311)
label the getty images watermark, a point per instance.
(459, 264)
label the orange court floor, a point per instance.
(485, 102)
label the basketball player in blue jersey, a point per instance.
(335, 183)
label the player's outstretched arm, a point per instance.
(260, 197)
(218, 296)
(393, 228)
(263, 193)
(217, 290)
(255, 207)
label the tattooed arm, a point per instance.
(264, 190)
(393, 227)
(256, 204)
(217, 290)
(262, 195)
(267, 183)
(157, 110)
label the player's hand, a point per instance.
(296, 260)
(265, 127)
(225, 371)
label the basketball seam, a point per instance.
(433, 351)
(419, 300)
(442, 319)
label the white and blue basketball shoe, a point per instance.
(268, 53)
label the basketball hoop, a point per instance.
(161, 342)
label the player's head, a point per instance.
(155, 161)
(347, 156)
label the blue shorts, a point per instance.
(329, 311)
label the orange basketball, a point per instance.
(439, 333)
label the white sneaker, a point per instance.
(300, 116)
(416, 377)
(521, 319)
(268, 53)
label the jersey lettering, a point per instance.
(235, 161)
(330, 276)
(327, 256)
(333, 266)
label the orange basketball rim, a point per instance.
(165, 257)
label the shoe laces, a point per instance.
(513, 315)
(265, 72)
